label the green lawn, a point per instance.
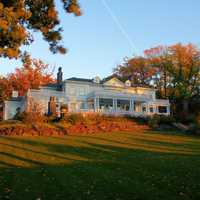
(103, 166)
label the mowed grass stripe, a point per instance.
(102, 166)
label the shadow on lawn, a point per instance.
(96, 168)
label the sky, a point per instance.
(110, 30)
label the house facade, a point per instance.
(107, 96)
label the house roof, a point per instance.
(111, 77)
(80, 79)
(91, 80)
(106, 80)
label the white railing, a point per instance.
(119, 112)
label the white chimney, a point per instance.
(128, 83)
(15, 94)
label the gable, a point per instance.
(114, 82)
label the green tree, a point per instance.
(19, 18)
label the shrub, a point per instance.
(138, 119)
(198, 119)
(1, 115)
(195, 127)
(156, 120)
(30, 117)
(166, 119)
(186, 118)
(20, 116)
(74, 118)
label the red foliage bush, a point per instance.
(23, 130)
(94, 123)
(73, 124)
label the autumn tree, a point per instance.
(5, 89)
(174, 70)
(19, 18)
(179, 67)
(185, 72)
(158, 60)
(137, 70)
(31, 75)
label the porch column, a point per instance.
(147, 108)
(96, 104)
(156, 109)
(168, 109)
(114, 105)
(131, 106)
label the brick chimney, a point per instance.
(59, 78)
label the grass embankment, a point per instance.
(104, 166)
(72, 124)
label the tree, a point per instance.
(174, 70)
(31, 75)
(19, 18)
(185, 73)
(5, 89)
(158, 59)
(179, 66)
(137, 70)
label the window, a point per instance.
(105, 103)
(83, 105)
(81, 91)
(72, 90)
(144, 109)
(73, 107)
(123, 105)
(151, 109)
(162, 109)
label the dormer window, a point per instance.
(128, 83)
(96, 79)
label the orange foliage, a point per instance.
(5, 89)
(31, 75)
(19, 17)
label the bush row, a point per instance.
(23, 130)
(157, 121)
(71, 124)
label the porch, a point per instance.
(127, 105)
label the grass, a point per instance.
(104, 166)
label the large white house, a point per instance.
(109, 96)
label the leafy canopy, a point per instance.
(19, 18)
(33, 74)
(174, 70)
